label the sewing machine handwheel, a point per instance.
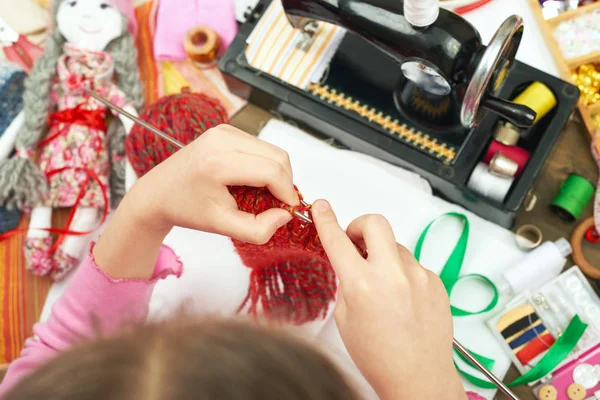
(517, 114)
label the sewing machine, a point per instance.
(430, 92)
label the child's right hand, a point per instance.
(393, 315)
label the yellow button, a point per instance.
(547, 392)
(575, 391)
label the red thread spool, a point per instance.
(515, 153)
(291, 278)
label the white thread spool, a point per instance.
(489, 185)
(421, 13)
(537, 267)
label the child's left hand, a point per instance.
(190, 190)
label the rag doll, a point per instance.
(66, 153)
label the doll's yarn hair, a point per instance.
(36, 111)
(291, 278)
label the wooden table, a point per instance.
(570, 154)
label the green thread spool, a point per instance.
(574, 194)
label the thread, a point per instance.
(421, 13)
(489, 185)
(201, 44)
(515, 153)
(539, 98)
(574, 194)
(537, 267)
(291, 278)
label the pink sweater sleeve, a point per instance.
(474, 396)
(92, 301)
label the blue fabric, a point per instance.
(12, 80)
(8, 219)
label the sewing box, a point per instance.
(356, 103)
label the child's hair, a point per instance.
(189, 359)
(36, 106)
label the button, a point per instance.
(547, 392)
(576, 391)
(585, 375)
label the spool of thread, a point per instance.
(539, 98)
(491, 186)
(574, 194)
(201, 45)
(537, 267)
(515, 153)
(507, 134)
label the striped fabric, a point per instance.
(272, 48)
(22, 295)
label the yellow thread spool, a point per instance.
(537, 97)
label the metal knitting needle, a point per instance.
(488, 374)
(459, 347)
(301, 216)
(138, 121)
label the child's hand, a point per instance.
(393, 314)
(189, 189)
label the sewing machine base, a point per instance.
(373, 123)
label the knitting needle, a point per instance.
(138, 121)
(301, 216)
(497, 382)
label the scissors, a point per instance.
(300, 215)
(17, 48)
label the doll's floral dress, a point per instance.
(74, 154)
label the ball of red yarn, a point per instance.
(291, 277)
(183, 116)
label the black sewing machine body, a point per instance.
(387, 130)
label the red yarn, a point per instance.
(291, 277)
(183, 116)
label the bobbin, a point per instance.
(201, 44)
(507, 134)
(501, 165)
(526, 232)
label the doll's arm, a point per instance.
(7, 140)
(130, 176)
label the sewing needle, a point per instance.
(459, 347)
(301, 216)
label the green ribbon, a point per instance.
(450, 276)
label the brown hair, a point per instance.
(185, 359)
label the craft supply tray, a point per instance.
(373, 125)
(569, 63)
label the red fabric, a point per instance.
(291, 278)
(95, 119)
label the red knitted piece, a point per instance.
(291, 278)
